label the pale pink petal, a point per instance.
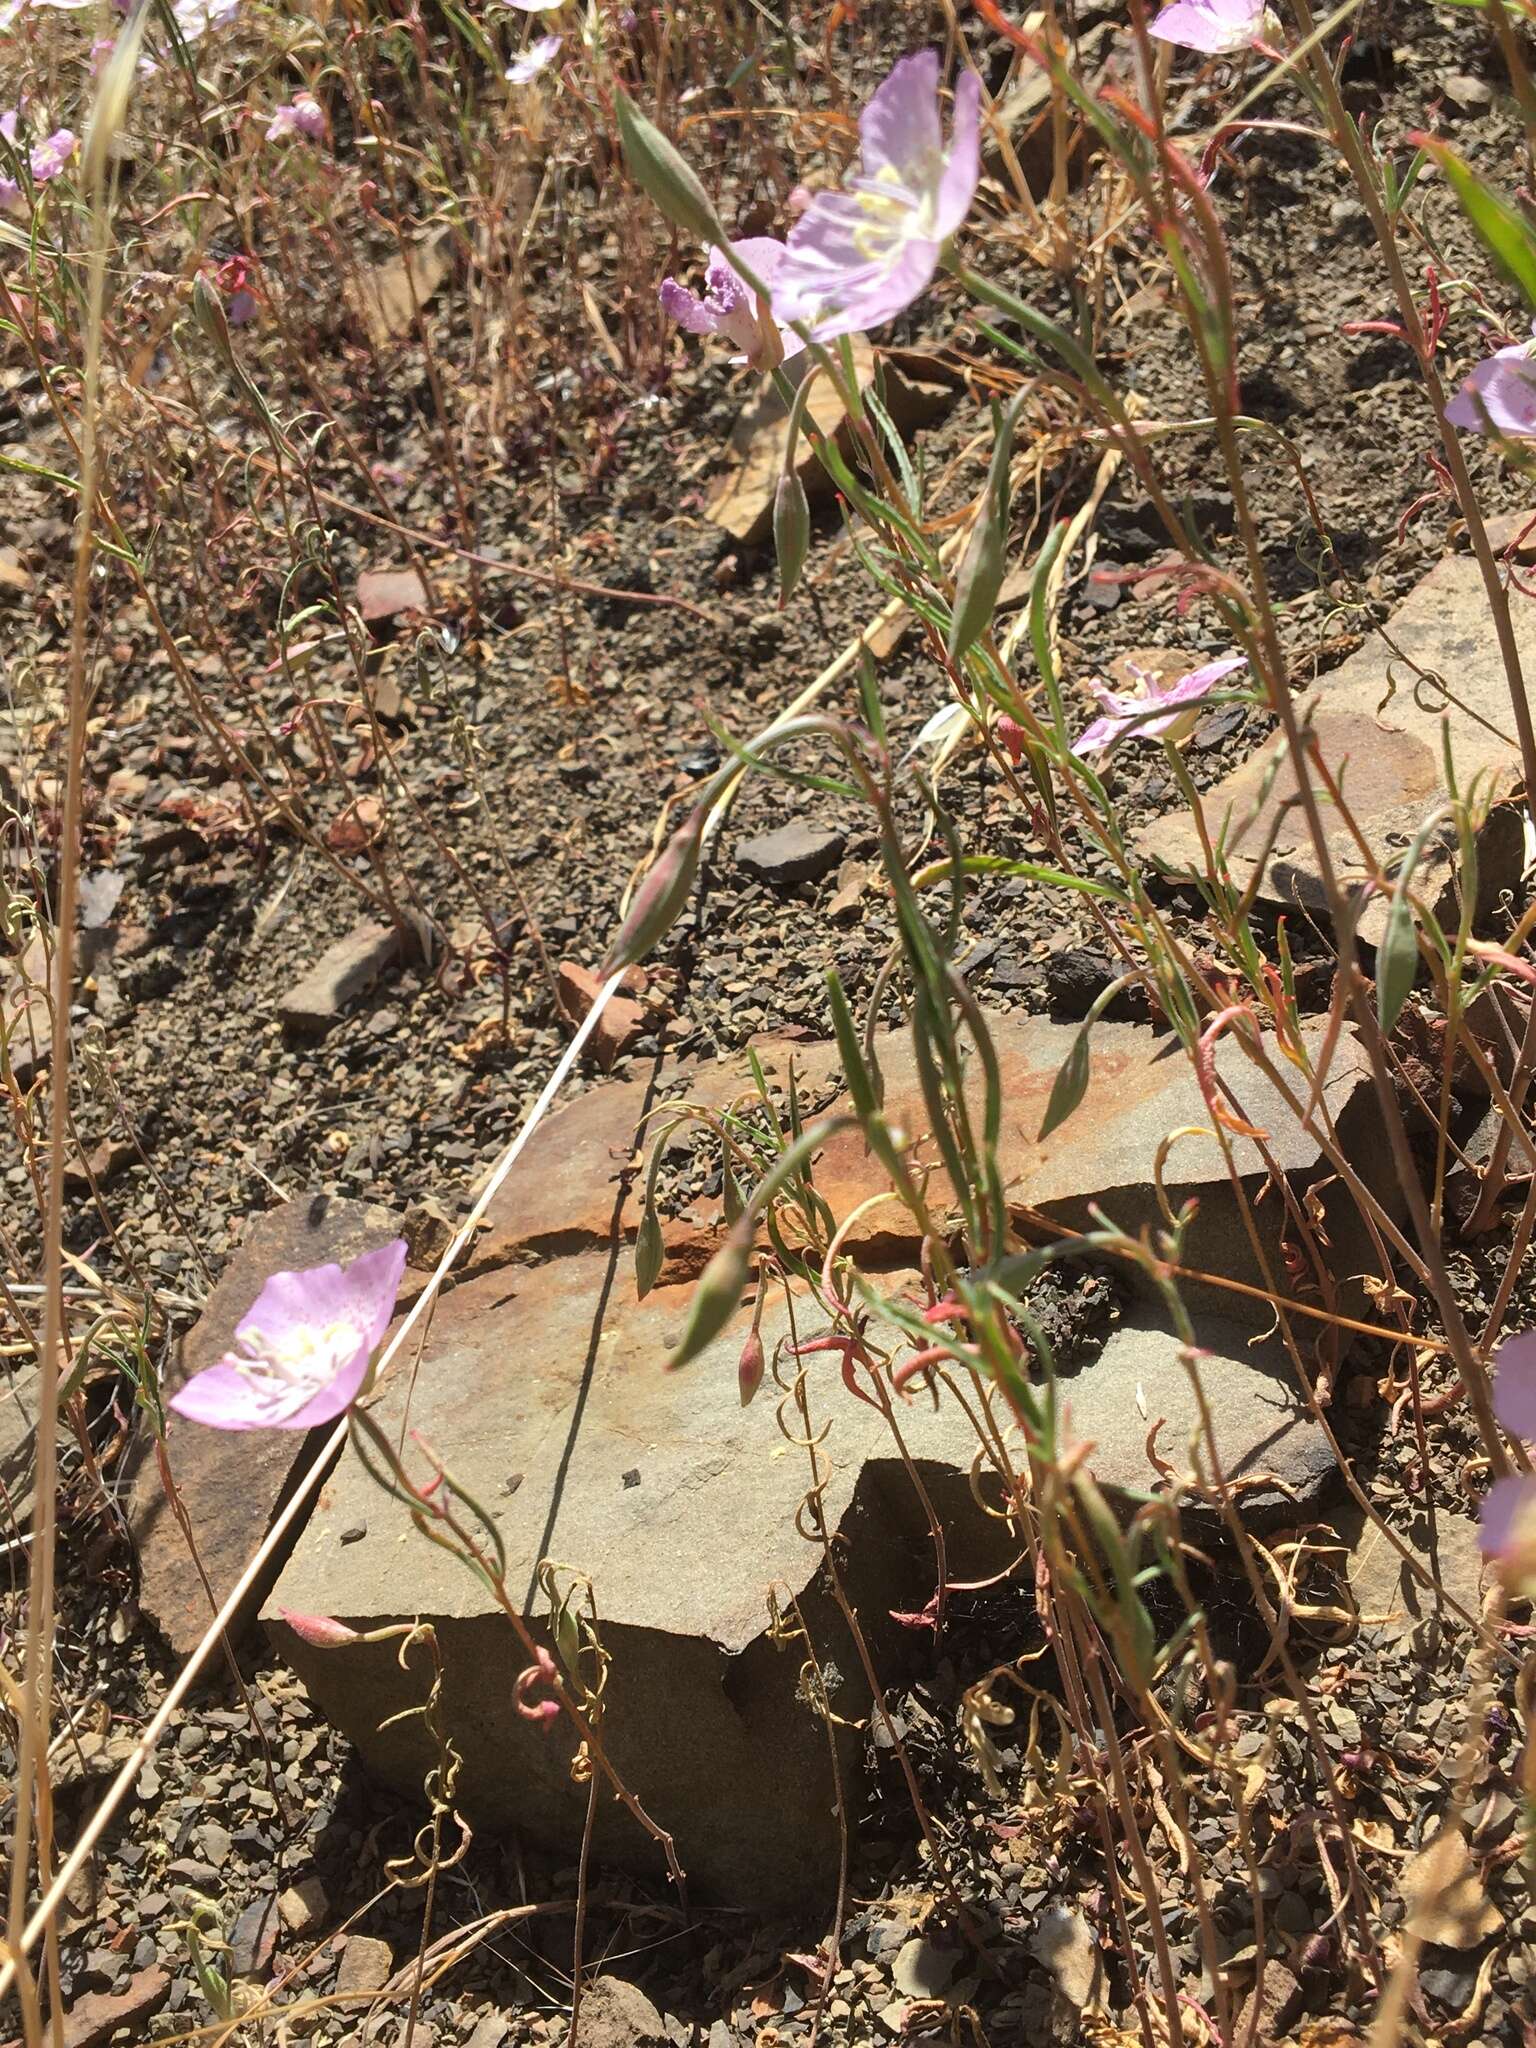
(1209, 26)
(1506, 1524)
(899, 131)
(1514, 1384)
(962, 168)
(1499, 397)
(536, 58)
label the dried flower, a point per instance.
(1213, 27)
(1159, 713)
(857, 257)
(302, 115)
(1499, 397)
(732, 308)
(540, 1672)
(303, 1350)
(536, 58)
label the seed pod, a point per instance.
(661, 897)
(665, 176)
(210, 317)
(791, 532)
(717, 1296)
(980, 576)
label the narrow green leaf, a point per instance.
(1504, 233)
(1397, 960)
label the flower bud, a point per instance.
(791, 532)
(319, 1630)
(210, 317)
(660, 898)
(977, 585)
(749, 1371)
(664, 175)
(717, 1296)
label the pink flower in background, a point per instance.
(1500, 395)
(1213, 27)
(857, 257)
(730, 307)
(1507, 1523)
(50, 156)
(1158, 712)
(536, 58)
(303, 1350)
(302, 115)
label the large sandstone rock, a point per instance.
(544, 1392)
(1378, 729)
(232, 1486)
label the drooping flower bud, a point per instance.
(664, 175)
(319, 1630)
(210, 317)
(749, 1371)
(540, 1672)
(791, 532)
(660, 898)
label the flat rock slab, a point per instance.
(1378, 730)
(1142, 1090)
(544, 1392)
(232, 1485)
(343, 972)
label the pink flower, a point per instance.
(1507, 1522)
(1158, 712)
(536, 58)
(1213, 27)
(303, 1350)
(302, 115)
(1500, 395)
(732, 308)
(857, 257)
(50, 156)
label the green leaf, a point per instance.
(1503, 232)
(1069, 1086)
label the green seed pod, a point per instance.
(791, 532)
(717, 1296)
(209, 315)
(665, 176)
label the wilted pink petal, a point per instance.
(302, 115)
(302, 1352)
(1158, 712)
(858, 257)
(319, 1630)
(1213, 27)
(1514, 1384)
(730, 307)
(536, 58)
(50, 156)
(1499, 397)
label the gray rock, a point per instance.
(304, 1906)
(215, 1843)
(796, 852)
(1390, 740)
(365, 1965)
(617, 2014)
(253, 1937)
(923, 1969)
(232, 1485)
(489, 2031)
(343, 972)
(18, 1444)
